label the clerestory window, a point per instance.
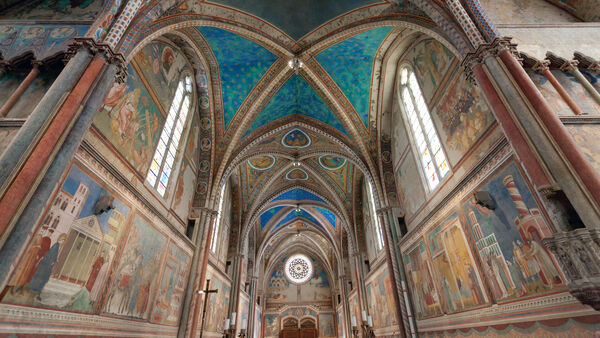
(425, 137)
(168, 144)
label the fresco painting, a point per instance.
(556, 103)
(184, 191)
(162, 66)
(431, 61)
(577, 92)
(279, 289)
(587, 138)
(454, 267)
(66, 264)
(171, 293)
(136, 279)
(271, 325)
(380, 299)
(43, 41)
(6, 136)
(326, 325)
(425, 297)
(131, 121)
(508, 239)
(461, 118)
(218, 303)
(532, 11)
(56, 10)
(317, 289)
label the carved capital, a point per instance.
(487, 50)
(578, 254)
(102, 50)
(587, 62)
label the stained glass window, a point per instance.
(375, 220)
(168, 143)
(427, 142)
(215, 234)
(298, 269)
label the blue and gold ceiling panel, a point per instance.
(350, 64)
(294, 214)
(296, 96)
(242, 63)
(266, 216)
(298, 194)
(329, 216)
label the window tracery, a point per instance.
(425, 137)
(170, 137)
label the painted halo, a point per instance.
(332, 163)
(298, 269)
(262, 163)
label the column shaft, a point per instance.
(393, 272)
(556, 129)
(561, 91)
(16, 95)
(54, 169)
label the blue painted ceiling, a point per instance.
(298, 194)
(297, 214)
(296, 96)
(296, 17)
(350, 65)
(242, 63)
(266, 216)
(330, 216)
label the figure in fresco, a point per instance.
(42, 275)
(31, 262)
(125, 123)
(100, 277)
(115, 94)
(98, 263)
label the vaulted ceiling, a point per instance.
(294, 92)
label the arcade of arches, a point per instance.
(316, 168)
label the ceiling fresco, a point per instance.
(350, 64)
(242, 62)
(298, 194)
(329, 216)
(296, 96)
(299, 17)
(258, 170)
(296, 174)
(266, 216)
(295, 214)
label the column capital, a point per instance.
(587, 62)
(486, 50)
(101, 50)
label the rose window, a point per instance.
(298, 269)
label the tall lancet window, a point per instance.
(426, 140)
(168, 144)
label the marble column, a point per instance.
(48, 170)
(201, 216)
(16, 95)
(251, 310)
(549, 155)
(407, 311)
(204, 248)
(392, 268)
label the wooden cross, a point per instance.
(206, 292)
